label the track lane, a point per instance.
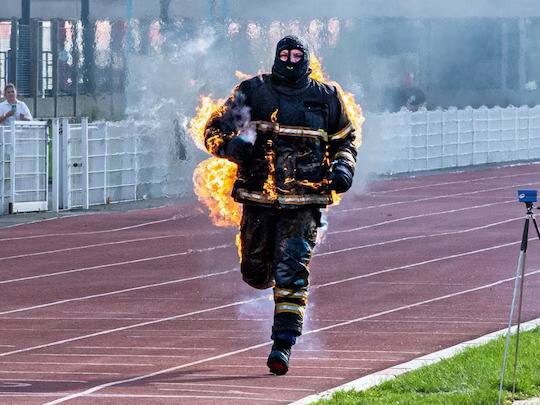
(258, 318)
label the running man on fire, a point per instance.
(294, 145)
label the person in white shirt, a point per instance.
(12, 109)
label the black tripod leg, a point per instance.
(536, 227)
(524, 243)
(519, 271)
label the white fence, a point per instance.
(23, 167)
(101, 163)
(92, 164)
(428, 140)
(108, 162)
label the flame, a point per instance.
(273, 117)
(269, 186)
(317, 72)
(351, 107)
(213, 180)
(206, 108)
(241, 75)
(239, 246)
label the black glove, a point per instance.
(239, 149)
(341, 177)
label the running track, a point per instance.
(147, 306)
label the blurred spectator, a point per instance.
(406, 96)
(12, 109)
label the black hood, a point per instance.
(290, 74)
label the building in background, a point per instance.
(70, 57)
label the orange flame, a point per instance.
(203, 112)
(213, 180)
(351, 107)
(273, 117)
(241, 75)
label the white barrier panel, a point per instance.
(24, 167)
(429, 140)
(108, 162)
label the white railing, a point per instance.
(105, 162)
(24, 167)
(108, 162)
(428, 140)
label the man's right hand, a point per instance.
(9, 113)
(239, 148)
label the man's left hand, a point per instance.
(341, 177)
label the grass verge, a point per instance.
(469, 378)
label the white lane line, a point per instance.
(103, 266)
(42, 380)
(209, 384)
(287, 376)
(438, 197)
(148, 396)
(106, 355)
(124, 228)
(329, 359)
(142, 287)
(316, 254)
(407, 238)
(77, 364)
(310, 332)
(137, 325)
(447, 183)
(361, 276)
(55, 372)
(412, 265)
(264, 368)
(430, 214)
(144, 348)
(207, 391)
(81, 247)
(358, 351)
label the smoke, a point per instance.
(163, 89)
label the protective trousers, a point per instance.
(276, 250)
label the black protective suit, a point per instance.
(303, 150)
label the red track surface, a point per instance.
(148, 306)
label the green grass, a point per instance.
(471, 377)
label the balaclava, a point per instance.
(288, 73)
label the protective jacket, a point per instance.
(301, 132)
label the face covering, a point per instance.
(289, 73)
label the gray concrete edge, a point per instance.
(371, 380)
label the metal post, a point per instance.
(55, 156)
(36, 59)
(55, 80)
(84, 153)
(13, 46)
(12, 166)
(522, 61)
(504, 54)
(105, 153)
(65, 173)
(2, 169)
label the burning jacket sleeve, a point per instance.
(225, 123)
(341, 139)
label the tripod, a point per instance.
(528, 197)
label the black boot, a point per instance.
(278, 360)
